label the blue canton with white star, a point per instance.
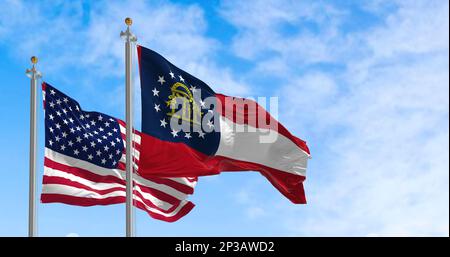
(161, 80)
(89, 136)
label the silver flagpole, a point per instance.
(129, 40)
(34, 75)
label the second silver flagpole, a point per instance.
(130, 39)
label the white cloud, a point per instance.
(248, 200)
(262, 30)
(156, 26)
(311, 91)
(254, 212)
(377, 126)
(72, 235)
(31, 29)
(411, 32)
(87, 41)
(393, 158)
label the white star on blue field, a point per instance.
(365, 83)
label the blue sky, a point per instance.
(364, 82)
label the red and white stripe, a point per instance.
(283, 160)
(73, 181)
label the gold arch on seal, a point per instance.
(190, 111)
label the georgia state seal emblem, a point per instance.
(181, 96)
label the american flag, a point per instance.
(85, 163)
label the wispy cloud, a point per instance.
(83, 40)
(374, 106)
(277, 29)
(33, 29)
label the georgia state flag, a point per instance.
(189, 130)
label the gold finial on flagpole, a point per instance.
(34, 59)
(127, 35)
(128, 21)
(32, 71)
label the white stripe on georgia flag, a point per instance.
(281, 155)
